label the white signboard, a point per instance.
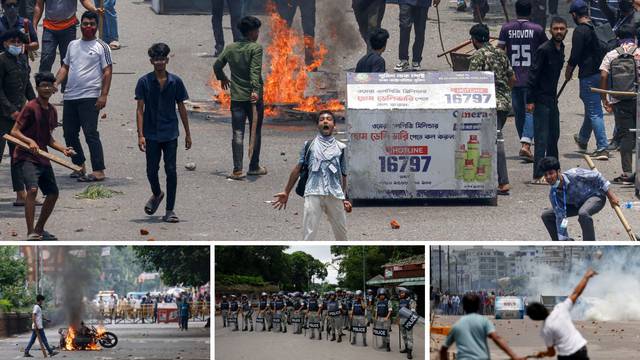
(404, 145)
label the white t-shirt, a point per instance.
(38, 312)
(87, 61)
(559, 331)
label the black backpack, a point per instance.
(605, 38)
(304, 171)
(624, 72)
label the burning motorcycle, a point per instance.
(86, 338)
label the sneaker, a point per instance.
(613, 146)
(236, 175)
(53, 353)
(581, 145)
(601, 154)
(403, 65)
(261, 170)
(27, 355)
(415, 66)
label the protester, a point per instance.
(157, 94)
(217, 10)
(25, 8)
(373, 62)
(520, 38)
(575, 192)
(88, 67)
(413, 13)
(470, 334)
(287, 10)
(34, 126)
(625, 14)
(586, 54)
(480, 8)
(10, 20)
(110, 28)
(539, 12)
(15, 91)
(37, 326)
(369, 14)
(325, 190)
(621, 65)
(542, 95)
(558, 331)
(59, 28)
(245, 60)
(488, 58)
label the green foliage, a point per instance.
(239, 279)
(350, 274)
(5, 305)
(13, 273)
(186, 265)
(94, 192)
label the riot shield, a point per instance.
(408, 318)
(381, 334)
(276, 320)
(358, 333)
(232, 320)
(296, 322)
(313, 324)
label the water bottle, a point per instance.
(631, 205)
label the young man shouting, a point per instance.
(323, 158)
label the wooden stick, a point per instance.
(101, 25)
(562, 88)
(44, 351)
(52, 157)
(254, 130)
(616, 208)
(461, 46)
(614, 93)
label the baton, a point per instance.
(44, 352)
(42, 153)
(254, 129)
(616, 208)
(562, 88)
(101, 29)
(613, 92)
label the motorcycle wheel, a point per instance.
(108, 340)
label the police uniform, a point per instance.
(383, 308)
(247, 314)
(313, 318)
(297, 315)
(263, 307)
(334, 318)
(370, 304)
(407, 335)
(234, 307)
(358, 319)
(278, 308)
(224, 311)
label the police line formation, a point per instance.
(333, 313)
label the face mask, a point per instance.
(14, 50)
(88, 32)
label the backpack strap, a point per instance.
(307, 147)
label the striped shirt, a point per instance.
(87, 61)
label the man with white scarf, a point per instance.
(327, 182)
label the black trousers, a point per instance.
(412, 17)
(624, 113)
(287, 10)
(82, 114)
(235, 11)
(155, 151)
(578, 355)
(240, 112)
(546, 125)
(369, 14)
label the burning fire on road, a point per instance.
(288, 76)
(86, 338)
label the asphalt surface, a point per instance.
(214, 208)
(140, 342)
(606, 340)
(239, 345)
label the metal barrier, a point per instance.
(144, 313)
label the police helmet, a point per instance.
(233, 296)
(224, 297)
(263, 294)
(359, 293)
(382, 291)
(401, 289)
(313, 293)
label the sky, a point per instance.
(322, 253)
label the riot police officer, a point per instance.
(383, 315)
(278, 307)
(296, 314)
(370, 302)
(288, 300)
(247, 313)
(357, 317)
(323, 314)
(407, 335)
(348, 301)
(234, 307)
(263, 311)
(314, 314)
(224, 310)
(334, 313)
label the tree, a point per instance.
(13, 273)
(186, 265)
(269, 262)
(303, 267)
(350, 272)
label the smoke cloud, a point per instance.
(610, 296)
(336, 29)
(78, 274)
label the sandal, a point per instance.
(47, 236)
(77, 174)
(34, 236)
(539, 181)
(90, 178)
(21, 204)
(152, 205)
(236, 175)
(170, 217)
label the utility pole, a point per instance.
(364, 266)
(448, 270)
(440, 266)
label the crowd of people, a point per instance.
(332, 312)
(448, 303)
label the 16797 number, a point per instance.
(467, 98)
(404, 163)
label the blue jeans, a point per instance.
(52, 40)
(593, 117)
(33, 340)
(524, 119)
(110, 21)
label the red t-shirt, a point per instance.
(37, 123)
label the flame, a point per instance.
(69, 340)
(288, 74)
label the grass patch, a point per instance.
(94, 192)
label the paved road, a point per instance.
(157, 342)
(213, 208)
(606, 340)
(271, 346)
